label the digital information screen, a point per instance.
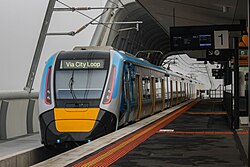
(191, 42)
(82, 64)
(205, 40)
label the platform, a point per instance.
(191, 134)
(19, 145)
(26, 151)
(199, 137)
(88, 149)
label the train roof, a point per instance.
(125, 55)
(132, 58)
(94, 48)
(139, 61)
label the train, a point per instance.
(92, 91)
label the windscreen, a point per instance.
(80, 75)
(80, 84)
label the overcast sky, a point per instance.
(20, 27)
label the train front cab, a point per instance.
(74, 113)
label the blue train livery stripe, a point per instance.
(140, 62)
(117, 61)
(48, 64)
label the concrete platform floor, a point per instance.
(19, 145)
(182, 146)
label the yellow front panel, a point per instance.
(75, 119)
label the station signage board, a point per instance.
(243, 51)
(201, 37)
(219, 54)
(221, 39)
(218, 73)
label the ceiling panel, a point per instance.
(196, 12)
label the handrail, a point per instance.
(213, 92)
(12, 95)
(219, 86)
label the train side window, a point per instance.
(158, 88)
(146, 89)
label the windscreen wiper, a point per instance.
(71, 83)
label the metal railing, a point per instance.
(228, 106)
(18, 95)
(216, 93)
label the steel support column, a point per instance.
(30, 113)
(236, 83)
(39, 46)
(99, 30)
(248, 81)
(3, 117)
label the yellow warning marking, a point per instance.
(208, 113)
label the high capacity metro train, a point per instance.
(86, 94)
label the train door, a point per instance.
(177, 92)
(171, 91)
(192, 91)
(168, 92)
(185, 92)
(159, 94)
(163, 93)
(130, 91)
(181, 96)
(153, 94)
(139, 97)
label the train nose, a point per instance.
(75, 124)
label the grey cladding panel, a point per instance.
(3, 114)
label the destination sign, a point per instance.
(82, 64)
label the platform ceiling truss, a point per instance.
(151, 36)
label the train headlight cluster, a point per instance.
(110, 88)
(48, 99)
(48, 87)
